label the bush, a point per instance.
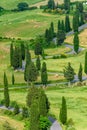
(2, 102)
(7, 112)
(63, 56)
(33, 7)
(22, 6)
(13, 103)
(25, 112)
(43, 7)
(16, 109)
(56, 57)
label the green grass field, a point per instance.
(76, 102)
(11, 4)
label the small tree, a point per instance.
(22, 6)
(38, 64)
(6, 91)
(67, 24)
(76, 21)
(60, 37)
(69, 72)
(25, 112)
(44, 76)
(63, 111)
(44, 123)
(76, 42)
(80, 73)
(13, 79)
(31, 73)
(85, 66)
(38, 49)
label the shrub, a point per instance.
(2, 102)
(25, 112)
(63, 56)
(16, 109)
(33, 7)
(22, 6)
(13, 103)
(56, 57)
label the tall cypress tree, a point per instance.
(6, 91)
(20, 58)
(67, 24)
(51, 4)
(13, 79)
(59, 25)
(34, 116)
(38, 49)
(76, 21)
(44, 76)
(85, 65)
(81, 19)
(11, 54)
(62, 25)
(67, 5)
(38, 64)
(76, 42)
(52, 28)
(63, 111)
(60, 37)
(23, 50)
(80, 73)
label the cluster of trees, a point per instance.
(17, 54)
(69, 72)
(32, 71)
(38, 104)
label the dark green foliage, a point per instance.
(16, 58)
(20, 58)
(81, 19)
(62, 25)
(44, 123)
(63, 111)
(80, 73)
(76, 21)
(13, 79)
(31, 97)
(79, 6)
(67, 24)
(22, 6)
(16, 109)
(85, 65)
(52, 28)
(38, 49)
(51, 4)
(76, 42)
(69, 72)
(42, 103)
(23, 50)
(25, 112)
(28, 56)
(38, 64)
(44, 76)
(60, 37)
(31, 73)
(6, 91)
(67, 5)
(34, 116)
(11, 54)
(59, 25)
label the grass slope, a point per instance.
(11, 4)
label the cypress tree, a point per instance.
(85, 66)
(13, 79)
(51, 4)
(62, 25)
(80, 73)
(31, 73)
(44, 76)
(81, 19)
(6, 91)
(28, 56)
(34, 116)
(52, 28)
(20, 58)
(59, 25)
(23, 51)
(38, 49)
(60, 37)
(76, 21)
(69, 72)
(11, 54)
(38, 64)
(16, 58)
(76, 42)
(67, 5)
(63, 111)
(67, 24)
(42, 104)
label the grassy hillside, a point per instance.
(76, 102)
(11, 4)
